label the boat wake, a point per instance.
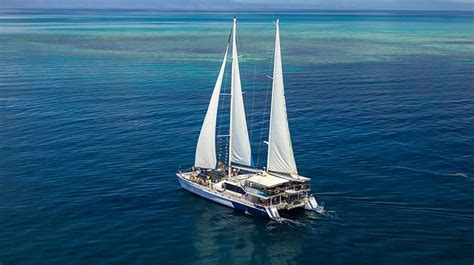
(434, 173)
(292, 222)
(286, 222)
(305, 224)
(311, 215)
(325, 213)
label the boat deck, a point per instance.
(250, 193)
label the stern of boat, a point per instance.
(312, 205)
(273, 213)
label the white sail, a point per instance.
(280, 151)
(239, 139)
(206, 146)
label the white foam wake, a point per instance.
(434, 173)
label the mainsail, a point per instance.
(206, 146)
(239, 139)
(280, 151)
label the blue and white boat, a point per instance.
(234, 182)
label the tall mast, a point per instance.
(234, 57)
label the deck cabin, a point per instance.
(274, 190)
(261, 188)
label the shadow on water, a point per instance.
(249, 239)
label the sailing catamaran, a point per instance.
(237, 184)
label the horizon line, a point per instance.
(235, 10)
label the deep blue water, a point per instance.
(98, 109)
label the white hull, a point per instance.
(229, 201)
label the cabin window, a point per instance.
(234, 188)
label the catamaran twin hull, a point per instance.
(246, 192)
(254, 191)
(233, 194)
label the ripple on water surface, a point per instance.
(100, 108)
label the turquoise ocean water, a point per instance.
(98, 109)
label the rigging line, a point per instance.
(241, 65)
(222, 104)
(243, 84)
(265, 108)
(221, 98)
(263, 121)
(252, 119)
(241, 51)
